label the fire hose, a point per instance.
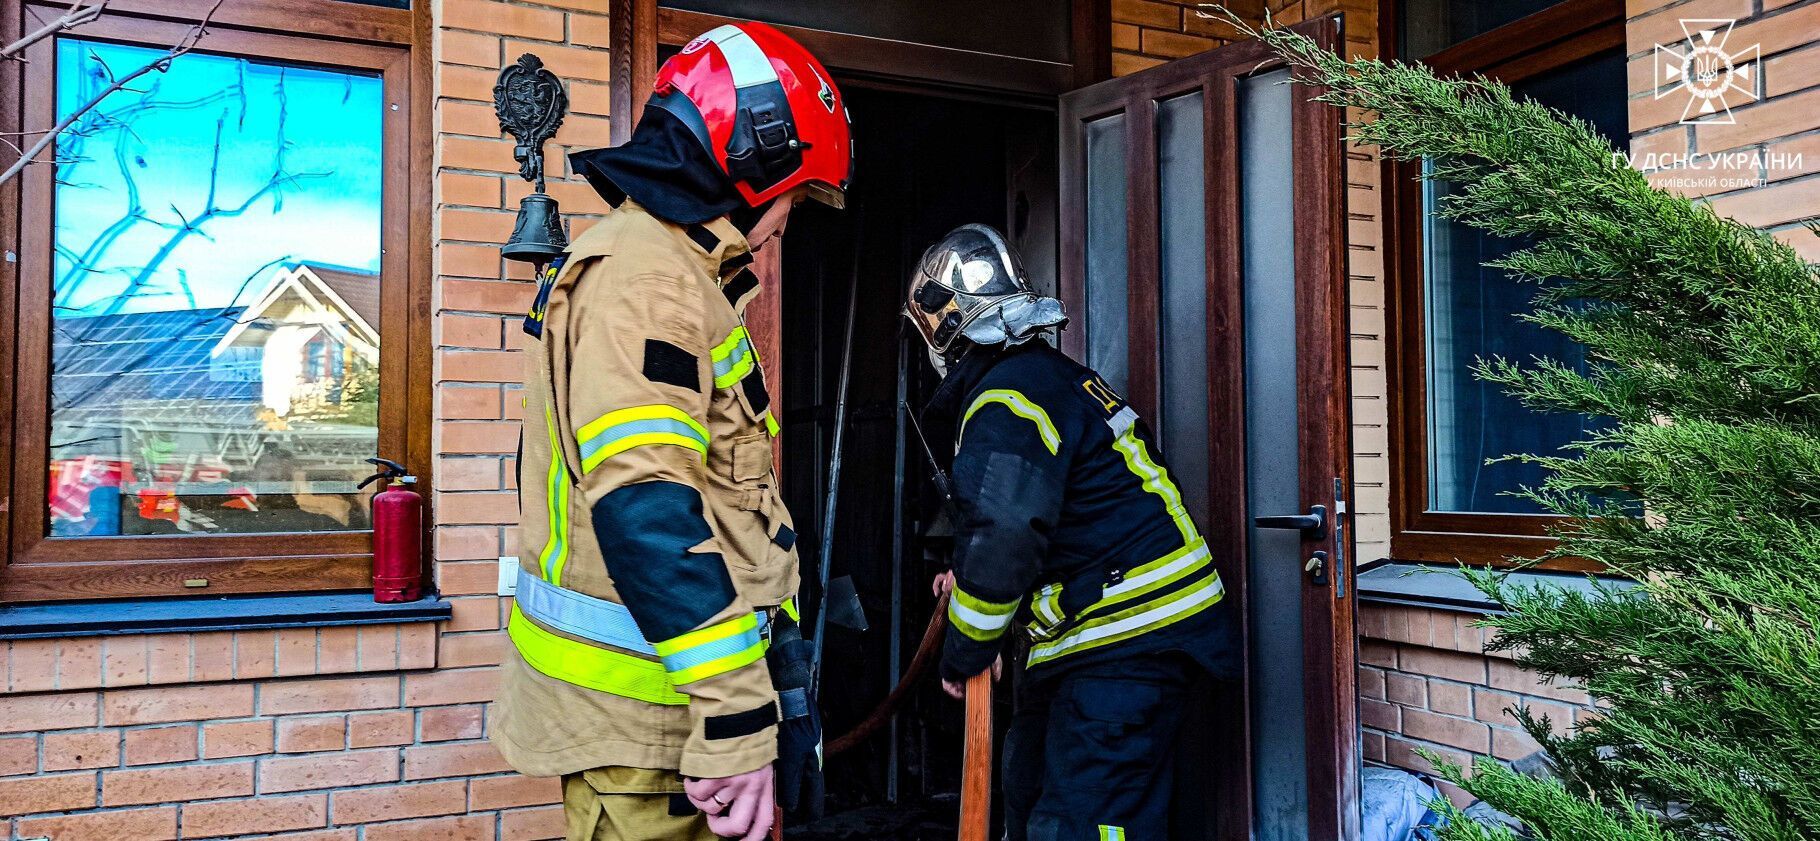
(926, 652)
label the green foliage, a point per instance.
(1703, 340)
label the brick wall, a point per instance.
(1747, 169)
(1146, 33)
(1425, 682)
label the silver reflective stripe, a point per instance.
(1192, 559)
(981, 621)
(590, 618)
(1203, 593)
(1122, 422)
(744, 58)
(582, 615)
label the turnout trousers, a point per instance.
(1090, 753)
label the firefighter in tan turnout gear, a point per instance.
(658, 560)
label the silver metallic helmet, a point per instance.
(972, 284)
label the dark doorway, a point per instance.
(924, 165)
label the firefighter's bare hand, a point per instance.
(943, 584)
(957, 689)
(738, 806)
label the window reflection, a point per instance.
(215, 311)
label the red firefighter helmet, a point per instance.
(767, 112)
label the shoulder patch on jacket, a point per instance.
(1102, 394)
(666, 363)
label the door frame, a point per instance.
(1323, 379)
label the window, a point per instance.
(1451, 310)
(215, 305)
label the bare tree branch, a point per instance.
(79, 13)
(160, 64)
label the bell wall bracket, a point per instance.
(531, 105)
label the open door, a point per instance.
(1202, 257)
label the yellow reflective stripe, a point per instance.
(593, 667)
(789, 609)
(1020, 406)
(1133, 621)
(977, 618)
(771, 424)
(733, 359)
(556, 499)
(713, 650)
(1156, 480)
(1112, 833)
(623, 429)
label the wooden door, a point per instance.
(1203, 262)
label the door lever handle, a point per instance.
(1314, 522)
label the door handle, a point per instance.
(1314, 523)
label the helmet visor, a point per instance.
(958, 279)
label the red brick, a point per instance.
(467, 542)
(177, 784)
(1375, 653)
(177, 703)
(464, 260)
(464, 828)
(503, 18)
(543, 823)
(477, 507)
(568, 62)
(467, 474)
(158, 824)
(1165, 15)
(471, 48)
(494, 296)
(32, 665)
(585, 98)
(78, 664)
(1508, 744)
(74, 751)
(1511, 678)
(349, 834)
(255, 654)
(468, 402)
(482, 332)
(473, 119)
(473, 613)
(296, 651)
(1765, 120)
(327, 695)
(1402, 754)
(337, 649)
(18, 756)
(315, 733)
(452, 760)
(48, 793)
(457, 686)
(264, 814)
(447, 724)
(236, 738)
(168, 658)
(1773, 205)
(1379, 715)
(159, 745)
(390, 803)
(487, 156)
(417, 646)
(1174, 44)
(213, 657)
(1371, 683)
(123, 661)
(378, 647)
(1462, 733)
(491, 793)
(27, 713)
(475, 83)
(1405, 689)
(589, 30)
(1125, 64)
(487, 366)
(381, 729)
(1466, 668)
(469, 578)
(473, 649)
(335, 770)
(1449, 698)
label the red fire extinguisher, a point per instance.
(397, 534)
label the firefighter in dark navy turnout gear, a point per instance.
(655, 662)
(1069, 528)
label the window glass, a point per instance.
(1472, 313)
(1108, 288)
(215, 308)
(1430, 26)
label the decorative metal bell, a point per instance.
(531, 105)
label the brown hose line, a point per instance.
(926, 652)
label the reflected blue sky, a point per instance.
(295, 157)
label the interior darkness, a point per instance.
(924, 165)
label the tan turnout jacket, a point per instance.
(646, 424)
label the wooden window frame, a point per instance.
(1547, 40)
(390, 42)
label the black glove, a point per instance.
(800, 786)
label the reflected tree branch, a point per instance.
(159, 65)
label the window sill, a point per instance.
(1435, 585)
(232, 613)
